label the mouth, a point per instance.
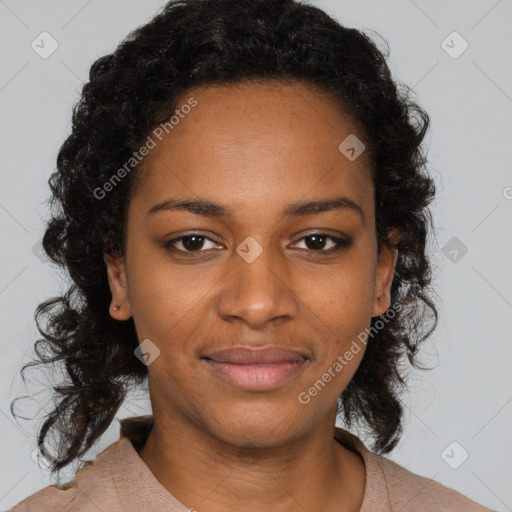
(256, 369)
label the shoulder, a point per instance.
(49, 499)
(93, 485)
(410, 492)
(391, 487)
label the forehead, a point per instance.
(278, 141)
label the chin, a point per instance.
(258, 429)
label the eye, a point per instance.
(316, 242)
(189, 243)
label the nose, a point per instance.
(258, 292)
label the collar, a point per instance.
(133, 472)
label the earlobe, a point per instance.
(116, 273)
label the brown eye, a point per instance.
(189, 243)
(318, 241)
(193, 243)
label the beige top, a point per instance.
(119, 480)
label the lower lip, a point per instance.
(255, 377)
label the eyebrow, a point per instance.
(208, 208)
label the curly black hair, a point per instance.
(190, 43)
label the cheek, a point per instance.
(342, 306)
(163, 297)
(343, 300)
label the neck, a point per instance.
(313, 472)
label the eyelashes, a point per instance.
(192, 244)
(339, 243)
(170, 245)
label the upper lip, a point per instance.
(252, 355)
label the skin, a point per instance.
(256, 148)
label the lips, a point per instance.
(246, 355)
(254, 369)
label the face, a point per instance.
(255, 269)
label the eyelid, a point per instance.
(340, 241)
(169, 243)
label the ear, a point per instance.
(384, 276)
(118, 283)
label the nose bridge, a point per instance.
(256, 289)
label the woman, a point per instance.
(243, 209)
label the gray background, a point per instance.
(467, 398)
